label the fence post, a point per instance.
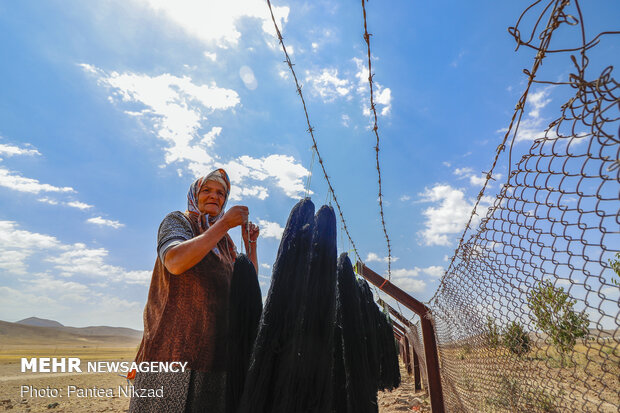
(416, 371)
(428, 333)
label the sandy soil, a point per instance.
(404, 398)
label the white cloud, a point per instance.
(11, 180)
(382, 95)
(237, 193)
(405, 279)
(448, 216)
(404, 272)
(328, 85)
(47, 200)
(11, 237)
(537, 101)
(208, 139)
(284, 74)
(266, 266)
(345, 120)
(315, 46)
(463, 171)
(270, 230)
(211, 56)
(533, 125)
(287, 174)
(176, 108)
(89, 262)
(376, 258)
(405, 198)
(474, 179)
(10, 150)
(199, 19)
(477, 180)
(78, 205)
(434, 271)
(105, 222)
(22, 251)
(72, 204)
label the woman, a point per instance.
(186, 314)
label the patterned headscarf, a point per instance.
(220, 176)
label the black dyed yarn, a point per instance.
(389, 377)
(310, 385)
(272, 355)
(370, 313)
(340, 380)
(361, 388)
(245, 308)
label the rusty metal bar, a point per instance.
(407, 356)
(416, 368)
(417, 380)
(428, 332)
(395, 313)
(399, 327)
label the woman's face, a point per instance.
(211, 198)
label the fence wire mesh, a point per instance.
(527, 315)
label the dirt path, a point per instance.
(404, 398)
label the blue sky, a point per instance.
(110, 109)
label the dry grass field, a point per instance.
(494, 380)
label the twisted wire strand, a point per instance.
(375, 129)
(311, 130)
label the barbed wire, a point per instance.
(375, 129)
(311, 131)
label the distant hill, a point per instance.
(39, 322)
(31, 335)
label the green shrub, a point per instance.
(554, 314)
(516, 339)
(493, 334)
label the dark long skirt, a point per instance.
(187, 392)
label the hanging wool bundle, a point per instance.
(311, 382)
(360, 387)
(272, 360)
(389, 377)
(370, 313)
(339, 404)
(246, 306)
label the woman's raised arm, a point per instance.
(185, 255)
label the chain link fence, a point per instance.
(527, 315)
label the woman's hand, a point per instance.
(237, 215)
(252, 234)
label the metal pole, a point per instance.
(428, 333)
(416, 371)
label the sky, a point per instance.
(110, 109)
